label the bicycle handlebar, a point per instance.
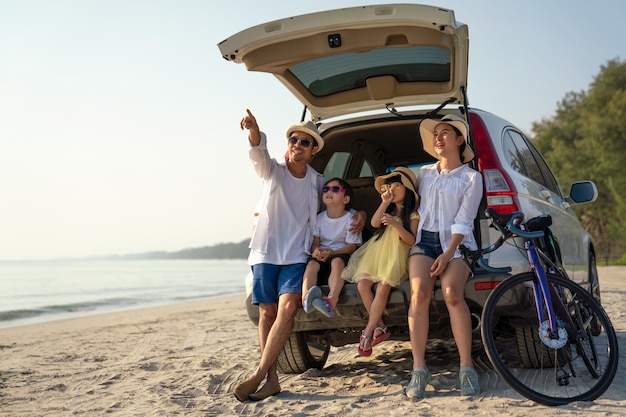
(508, 226)
(512, 226)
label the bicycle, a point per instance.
(544, 334)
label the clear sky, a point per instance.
(119, 120)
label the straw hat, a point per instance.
(307, 127)
(407, 176)
(427, 128)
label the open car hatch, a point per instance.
(358, 59)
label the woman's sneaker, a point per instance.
(417, 386)
(469, 381)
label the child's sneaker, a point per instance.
(313, 293)
(324, 306)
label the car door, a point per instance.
(539, 193)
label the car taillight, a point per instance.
(500, 192)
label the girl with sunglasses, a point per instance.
(333, 243)
(382, 259)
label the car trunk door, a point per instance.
(357, 59)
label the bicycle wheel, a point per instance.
(579, 369)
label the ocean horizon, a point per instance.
(41, 291)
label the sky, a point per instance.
(119, 119)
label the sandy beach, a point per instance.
(184, 359)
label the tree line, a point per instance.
(238, 250)
(586, 139)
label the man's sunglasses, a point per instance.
(333, 188)
(304, 142)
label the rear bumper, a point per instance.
(351, 315)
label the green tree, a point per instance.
(586, 139)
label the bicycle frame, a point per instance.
(546, 295)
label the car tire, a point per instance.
(532, 351)
(303, 350)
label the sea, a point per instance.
(41, 291)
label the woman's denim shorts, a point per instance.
(429, 245)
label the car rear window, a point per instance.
(333, 74)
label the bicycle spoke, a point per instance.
(580, 368)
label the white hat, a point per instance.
(310, 128)
(427, 128)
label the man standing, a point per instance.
(280, 243)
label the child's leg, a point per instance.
(335, 282)
(365, 290)
(377, 308)
(310, 277)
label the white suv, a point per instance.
(368, 76)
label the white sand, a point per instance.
(183, 360)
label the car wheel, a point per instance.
(532, 352)
(303, 350)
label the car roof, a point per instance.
(350, 60)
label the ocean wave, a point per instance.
(65, 308)
(39, 292)
(81, 308)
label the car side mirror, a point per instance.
(583, 192)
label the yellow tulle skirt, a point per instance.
(379, 260)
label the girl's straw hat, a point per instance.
(407, 176)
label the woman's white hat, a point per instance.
(427, 128)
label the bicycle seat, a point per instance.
(539, 223)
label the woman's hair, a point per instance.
(463, 145)
(345, 186)
(408, 206)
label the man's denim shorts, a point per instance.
(429, 245)
(270, 281)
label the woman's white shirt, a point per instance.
(449, 202)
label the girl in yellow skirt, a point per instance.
(382, 260)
